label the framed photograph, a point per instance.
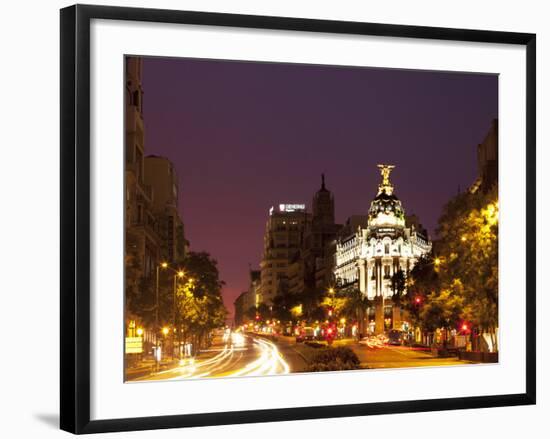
(274, 218)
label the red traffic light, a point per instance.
(417, 300)
(465, 327)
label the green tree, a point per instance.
(312, 300)
(443, 310)
(398, 286)
(355, 307)
(283, 302)
(200, 267)
(469, 241)
(200, 307)
(140, 298)
(423, 282)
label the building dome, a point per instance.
(386, 204)
(386, 208)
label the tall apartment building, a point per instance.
(254, 289)
(153, 229)
(142, 250)
(320, 235)
(240, 308)
(283, 241)
(248, 299)
(161, 176)
(299, 247)
(487, 160)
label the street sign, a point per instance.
(134, 345)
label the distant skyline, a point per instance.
(246, 136)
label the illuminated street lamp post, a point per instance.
(177, 274)
(332, 293)
(157, 323)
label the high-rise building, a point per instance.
(299, 247)
(153, 229)
(368, 258)
(487, 161)
(283, 240)
(240, 308)
(142, 250)
(161, 176)
(320, 233)
(248, 299)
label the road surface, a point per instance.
(238, 355)
(386, 356)
(252, 355)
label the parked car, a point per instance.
(305, 334)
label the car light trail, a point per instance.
(265, 360)
(270, 362)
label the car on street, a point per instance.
(395, 337)
(305, 334)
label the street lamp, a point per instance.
(331, 308)
(157, 325)
(178, 274)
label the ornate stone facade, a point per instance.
(368, 257)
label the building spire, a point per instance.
(323, 182)
(386, 185)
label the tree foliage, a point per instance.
(461, 282)
(469, 242)
(423, 282)
(199, 304)
(398, 286)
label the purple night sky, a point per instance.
(246, 136)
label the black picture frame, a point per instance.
(75, 218)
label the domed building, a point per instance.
(368, 257)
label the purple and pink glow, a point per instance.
(246, 136)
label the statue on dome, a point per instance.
(386, 185)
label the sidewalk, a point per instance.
(147, 367)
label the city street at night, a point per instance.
(365, 253)
(250, 355)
